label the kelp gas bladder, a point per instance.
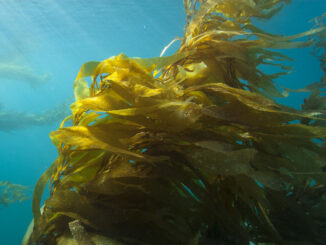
(191, 148)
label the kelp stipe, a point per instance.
(200, 154)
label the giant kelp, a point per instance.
(12, 71)
(10, 193)
(12, 120)
(191, 148)
(316, 101)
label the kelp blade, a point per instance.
(190, 148)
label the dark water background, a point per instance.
(56, 36)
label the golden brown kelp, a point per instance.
(191, 148)
(10, 193)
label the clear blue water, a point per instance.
(56, 36)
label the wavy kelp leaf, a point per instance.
(160, 62)
(87, 69)
(89, 118)
(94, 68)
(143, 91)
(81, 89)
(204, 35)
(84, 172)
(87, 138)
(199, 15)
(192, 147)
(105, 102)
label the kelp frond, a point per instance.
(190, 148)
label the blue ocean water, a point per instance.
(55, 37)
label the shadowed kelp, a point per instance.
(10, 193)
(191, 148)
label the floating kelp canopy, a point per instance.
(10, 193)
(191, 148)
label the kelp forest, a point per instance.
(192, 148)
(10, 193)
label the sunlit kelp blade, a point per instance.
(235, 62)
(190, 148)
